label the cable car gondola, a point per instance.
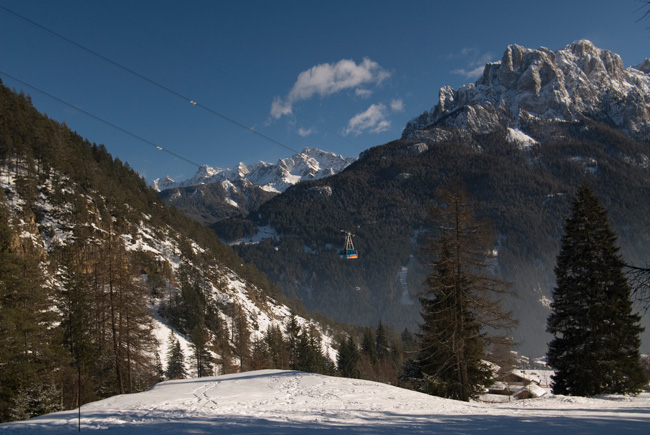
(348, 253)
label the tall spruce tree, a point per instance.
(381, 343)
(175, 358)
(293, 330)
(278, 351)
(460, 304)
(595, 348)
(347, 360)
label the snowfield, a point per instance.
(289, 402)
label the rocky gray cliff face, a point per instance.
(576, 82)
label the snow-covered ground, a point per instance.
(286, 402)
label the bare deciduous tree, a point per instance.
(461, 307)
(639, 279)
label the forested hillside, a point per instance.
(93, 266)
(521, 139)
(385, 196)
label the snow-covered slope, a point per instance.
(286, 402)
(575, 82)
(310, 164)
(223, 286)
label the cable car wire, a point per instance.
(153, 82)
(233, 77)
(110, 124)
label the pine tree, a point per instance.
(381, 343)
(241, 337)
(175, 358)
(277, 347)
(158, 366)
(347, 361)
(35, 399)
(460, 303)
(369, 346)
(260, 357)
(595, 345)
(30, 351)
(202, 357)
(310, 352)
(293, 330)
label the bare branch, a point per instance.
(639, 279)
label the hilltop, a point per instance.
(287, 402)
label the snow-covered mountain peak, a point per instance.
(644, 66)
(242, 170)
(206, 172)
(163, 183)
(310, 164)
(578, 81)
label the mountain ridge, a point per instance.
(309, 164)
(569, 84)
(520, 174)
(213, 194)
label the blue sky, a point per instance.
(273, 77)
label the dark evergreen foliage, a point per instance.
(381, 343)
(201, 355)
(384, 197)
(82, 307)
(369, 345)
(30, 350)
(293, 330)
(347, 361)
(310, 352)
(595, 346)
(459, 306)
(175, 367)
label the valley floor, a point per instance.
(287, 402)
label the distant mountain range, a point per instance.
(521, 139)
(214, 193)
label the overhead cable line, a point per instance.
(153, 82)
(172, 42)
(158, 147)
(249, 85)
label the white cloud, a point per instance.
(304, 132)
(280, 108)
(372, 120)
(469, 51)
(326, 79)
(363, 93)
(475, 63)
(470, 74)
(397, 105)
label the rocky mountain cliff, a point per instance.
(522, 139)
(577, 82)
(213, 194)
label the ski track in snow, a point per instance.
(287, 402)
